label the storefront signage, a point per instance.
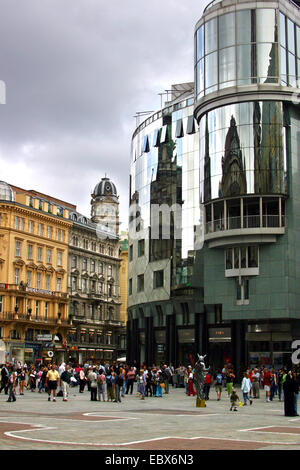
(44, 338)
(220, 334)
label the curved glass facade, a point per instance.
(241, 48)
(243, 150)
(165, 170)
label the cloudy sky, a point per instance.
(76, 72)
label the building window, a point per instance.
(130, 287)
(93, 286)
(18, 248)
(39, 253)
(58, 288)
(30, 247)
(38, 280)
(30, 226)
(140, 283)
(130, 252)
(62, 235)
(100, 287)
(141, 247)
(48, 256)
(17, 275)
(50, 232)
(160, 315)
(100, 268)
(74, 283)
(47, 281)
(245, 257)
(46, 310)
(92, 266)
(83, 285)
(185, 313)
(158, 279)
(84, 264)
(37, 309)
(41, 229)
(59, 258)
(1, 303)
(109, 270)
(110, 289)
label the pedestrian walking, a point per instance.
(191, 382)
(12, 383)
(229, 381)
(130, 380)
(234, 400)
(289, 388)
(142, 384)
(52, 379)
(245, 389)
(218, 384)
(159, 384)
(101, 385)
(4, 379)
(255, 383)
(92, 379)
(109, 387)
(22, 381)
(267, 383)
(65, 380)
(296, 377)
(118, 386)
(82, 380)
(32, 379)
(207, 385)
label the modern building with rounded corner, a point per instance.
(247, 67)
(237, 184)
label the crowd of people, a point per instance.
(107, 382)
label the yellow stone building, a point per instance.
(124, 276)
(34, 235)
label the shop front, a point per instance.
(269, 345)
(186, 345)
(160, 346)
(220, 349)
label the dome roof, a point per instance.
(6, 193)
(105, 188)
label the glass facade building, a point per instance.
(228, 161)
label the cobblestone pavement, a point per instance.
(169, 423)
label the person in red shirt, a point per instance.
(250, 373)
(267, 383)
(207, 384)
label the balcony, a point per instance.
(22, 289)
(25, 318)
(247, 220)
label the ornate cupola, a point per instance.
(105, 206)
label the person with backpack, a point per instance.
(101, 385)
(118, 386)
(92, 378)
(218, 384)
(109, 386)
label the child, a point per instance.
(234, 400)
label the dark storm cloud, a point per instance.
(75, 73)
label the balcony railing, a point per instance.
(249, 221)
(13, 316)
(21, 288)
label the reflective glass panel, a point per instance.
(282, 30)
(243, 27)
(200, 77)
(283, 65)
(226, 30)
(298, 41)
(211, 69)
(227, 66)
(291, 36)
(265, 25)
(200, 42)
(267, 62)
(244, 64)
(292, 70)
(211, 36)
